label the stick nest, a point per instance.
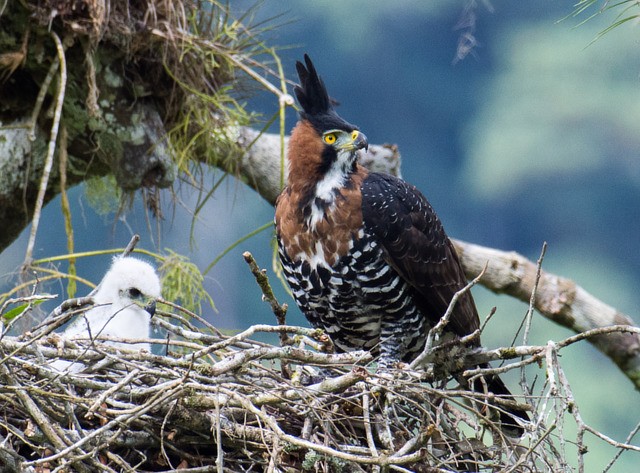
(212, 402)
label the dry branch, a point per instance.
(559, 299)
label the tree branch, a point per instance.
(558, 299)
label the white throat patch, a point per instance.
(327, 187)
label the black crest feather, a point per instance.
(312, 96)
(311, 93)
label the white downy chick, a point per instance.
(124, 304)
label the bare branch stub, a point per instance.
(135, 239)
(279, 310)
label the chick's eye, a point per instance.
(135, 293)
(330, 138)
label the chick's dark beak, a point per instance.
(151, 308)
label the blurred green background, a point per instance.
(531, 137)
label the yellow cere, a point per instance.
(354, 134)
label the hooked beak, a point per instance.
(151, 308)
(358, 142)
(361, 142)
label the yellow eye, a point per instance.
(354, 134)
(329, 138)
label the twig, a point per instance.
(526, 455)
(145, 408)
(275, 449)
(122, 419)
(191, 316)
(107, 393)
(131, 246)
(283, 98)
(532, 299)
(219, 451)
(382, 460)
(529, 315)
(621, 450)
(48, 163)
(30, 300)
(559, 299)
(66, 210)
(536, 352)
(573, 409)
(36, 414)
(44, 88)
(280, 311)
(250, 332)
(366, 416)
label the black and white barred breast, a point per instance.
(359, 301)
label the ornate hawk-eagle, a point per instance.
(366, 256)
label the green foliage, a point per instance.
(211, 63)
(207, 65)
(182, 281)
(627, 10)
(18, 310)
(103, 194)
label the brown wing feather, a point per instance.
(417, 246)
